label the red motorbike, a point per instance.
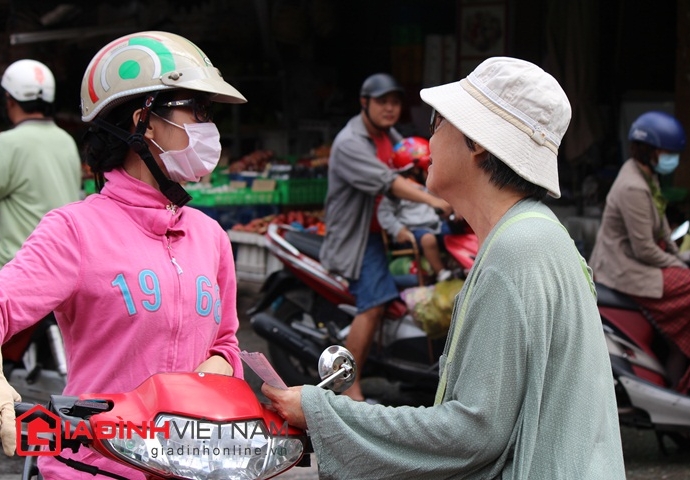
(163, 430)
(646, 366)
(304, 308)
(34, 361)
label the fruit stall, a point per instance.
(248, 194)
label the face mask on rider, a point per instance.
(668, 162)
(199, 158)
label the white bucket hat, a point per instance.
(515, 110)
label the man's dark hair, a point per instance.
(37, 106)
(502, 175)
(31, 106)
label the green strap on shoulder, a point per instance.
(459, 320)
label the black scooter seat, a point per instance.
(306, 242)
(608, 297)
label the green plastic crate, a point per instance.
(302, 191)
(244, 196)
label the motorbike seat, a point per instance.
(306, 242)
(608, 297)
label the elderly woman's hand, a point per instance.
(288, 404)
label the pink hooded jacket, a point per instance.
(136, 288)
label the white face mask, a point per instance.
(199, 158)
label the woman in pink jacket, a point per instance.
(138, 283)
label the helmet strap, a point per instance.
(173, 191)
(366, 113)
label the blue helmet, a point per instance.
(660, 130)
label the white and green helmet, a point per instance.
(145, 62)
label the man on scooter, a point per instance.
(40, 169)
(358, 174)
(526, 388)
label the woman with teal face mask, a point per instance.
(634, 253)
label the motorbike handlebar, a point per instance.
(451, 218)
(20, 408)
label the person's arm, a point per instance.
(216, 364)
(355, 162)
(387, 217)
(358, 165)
(401, 188)
(6, 167)
(48, 263)
(672, 246)
(470, 432)
(637, 211)
(224, 355)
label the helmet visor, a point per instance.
(204, 79)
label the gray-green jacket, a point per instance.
(355, 177)
(530, 390)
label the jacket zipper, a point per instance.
(175, 334)
(172, 257)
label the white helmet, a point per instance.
(27, 80)
(145, 62)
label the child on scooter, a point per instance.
(413, 222)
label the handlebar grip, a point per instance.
(21, 408)
(451, 218)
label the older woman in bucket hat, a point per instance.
(525, 388)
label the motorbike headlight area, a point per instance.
(196, 449)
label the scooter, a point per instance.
(646, 365)
(177, 425)
(34, 361)
(304, 308)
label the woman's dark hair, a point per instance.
(642, 152)
(104, 151)
(502, 175)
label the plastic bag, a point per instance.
(432, 306)
(445, 293)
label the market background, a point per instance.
(300, 64)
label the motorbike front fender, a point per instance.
(664, 407)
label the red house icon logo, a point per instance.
(40, 429)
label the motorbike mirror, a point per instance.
(337, 369)
(680, 231)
